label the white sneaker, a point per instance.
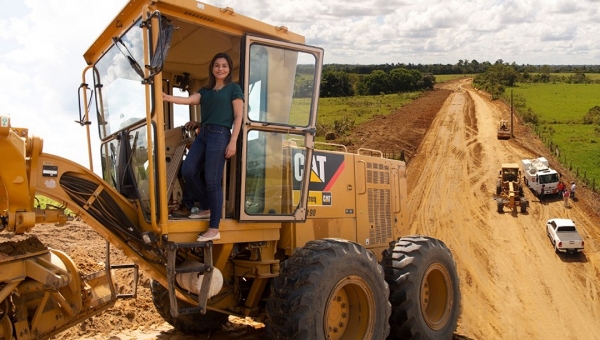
(202, 238)
(200, 214)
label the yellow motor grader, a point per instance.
(310, 238)
(503, 130)
(509, 189)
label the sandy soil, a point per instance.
(513, 285)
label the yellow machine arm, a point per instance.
(17, 190)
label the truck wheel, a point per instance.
(500, 207)
(553, 243)
(195, 323)
(329, 289)
(523, 206)
(498, 189)
(424, 289)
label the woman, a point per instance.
(221, 104)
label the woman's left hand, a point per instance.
(230, 150)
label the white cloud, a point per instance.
(42, 43)
(41, 63)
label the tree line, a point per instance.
(497, 77)
(343, 84)
(463, 67)
(340, 83)
(343, 80)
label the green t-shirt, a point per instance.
(216, 106)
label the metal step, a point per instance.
(206, 269)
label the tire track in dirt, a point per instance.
(512, 283)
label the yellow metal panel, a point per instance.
(223, 19)
(231, 231)
(12, 270)
(379, 205)
(332, 190)
(315, 229)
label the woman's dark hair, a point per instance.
(211, 77)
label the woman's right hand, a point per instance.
(192, 125)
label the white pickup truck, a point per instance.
(564, 235)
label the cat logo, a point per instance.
(326, 198)
(325, 170)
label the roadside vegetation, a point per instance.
(339, 115)
(567, 119)
(562, 108)
(43, 202)
(442, 78)
(560, 103)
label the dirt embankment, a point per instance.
(513, 285)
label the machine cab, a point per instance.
(167, 47)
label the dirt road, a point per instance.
(513, 285)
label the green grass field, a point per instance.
(579, 147)
(559, 102)
(361, 108)
(592, 76)
(356, 109)
(561, 108)
(442, 78)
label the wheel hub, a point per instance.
(436, 296)
(349, 313)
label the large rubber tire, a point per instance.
(498, 189)
(424, 289)
(524, 204)
(500, 207)
(195, 323)
(329, 289)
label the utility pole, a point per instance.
(512, 132)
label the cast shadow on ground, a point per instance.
(576, 257)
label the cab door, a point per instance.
(281, 89)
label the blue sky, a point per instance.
(42, 43)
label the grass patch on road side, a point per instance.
(442, 78)
(579, 148)
(559, 102)
(561, 108)
(340, 114)
(592, 76)
(362, 108)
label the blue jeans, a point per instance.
(202, 169)
(189, 197)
